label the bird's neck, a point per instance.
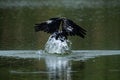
(60, 27)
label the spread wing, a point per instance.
(50, 26)
(71, 29)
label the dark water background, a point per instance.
(99, 60)
(101, 19)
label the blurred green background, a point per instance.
(101, 19)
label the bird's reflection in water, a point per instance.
(59, 68)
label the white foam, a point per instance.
(57, 46)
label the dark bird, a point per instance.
(60, 28)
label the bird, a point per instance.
(60, 28)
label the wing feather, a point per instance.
(71, 29)
(49, 26)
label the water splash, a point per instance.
(59, 46)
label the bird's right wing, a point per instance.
(49, 26)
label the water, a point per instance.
(81, 64)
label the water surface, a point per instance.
(83, 64)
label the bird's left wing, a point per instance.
(70, 28)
